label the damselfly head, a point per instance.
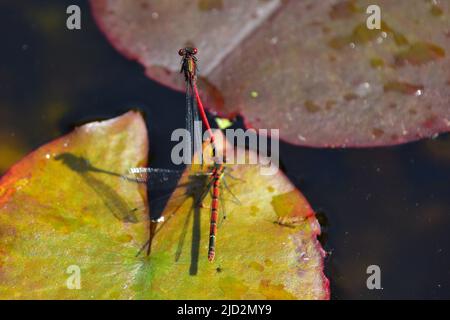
(187, 51)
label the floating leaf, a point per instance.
(266, 247)
(61, 206)
(65, 208)
(310, 68)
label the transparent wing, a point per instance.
(158, 178)
(197, 134)
(190, 118)
(155, 178)
(161, 183)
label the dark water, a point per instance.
(385, 206)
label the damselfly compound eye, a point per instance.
(194, 50)
(181, 52)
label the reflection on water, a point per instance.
(385, 206)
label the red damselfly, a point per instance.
(194, 106)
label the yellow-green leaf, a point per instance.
(62, 206)
(266, 247)
(64, 209)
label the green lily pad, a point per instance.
(65, 211)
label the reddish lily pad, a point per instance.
(65, 207)
(310, 68)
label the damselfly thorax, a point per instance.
(189, 63)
